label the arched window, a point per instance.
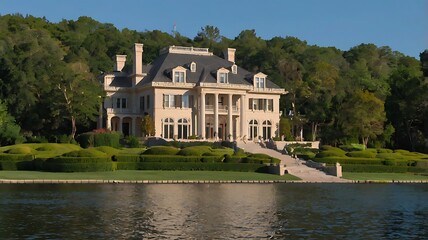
(267, 129)
(183, 128)
(253, 129)
(168, 128)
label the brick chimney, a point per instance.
(229, 54)
(138, 59)
(119, 63)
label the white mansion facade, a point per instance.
(191, 92)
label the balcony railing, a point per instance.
(221, 108)
(122, 110)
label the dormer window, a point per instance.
(193, 67)
(234, 69)
(260, 80)
(222, 78)
(179, 75)
(222, 75)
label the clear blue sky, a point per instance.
(400, 24)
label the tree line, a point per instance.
(367, 94)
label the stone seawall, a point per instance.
(36, 181)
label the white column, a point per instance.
(243, 118)
(134, 127)
(202, 118)
(229, 118)
(108, 125)
(216, 116)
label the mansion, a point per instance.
(189, 92)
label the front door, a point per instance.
(125, 129)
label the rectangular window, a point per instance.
(270, 105)
(142, 103)
(117, 102)
(148, 101)
(123, 102)
(185, 101)
(178, 76)
(168, 101)
(222, 77)
(259, 82)
(255, 104)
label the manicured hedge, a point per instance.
(110, 139)
(89, 152)
(110, 151)
(331, 152)
(78, 160)
(348, 160)
(233, 159)
(362, 154)
(161, 150)
(169, 158)
(77, 164)
(126, 158)
(91, 139)
(189, 166)
(381, 168)
(16, 162)
(20, 150)
(373, 168)
(194, 151)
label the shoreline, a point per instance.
(89, 181)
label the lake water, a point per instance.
(213, 211)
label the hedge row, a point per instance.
(192, 166)
(365, 161)
(166, 158)
(381, 169)
(77, 167)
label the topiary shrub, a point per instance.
(362, 154)
(161, 150)
(108, 150)
(89, 152)
(127, 158)
(194, 151)
(86, 140)
(110, 139)
(331, 152)
(384, 150)
(21, 150)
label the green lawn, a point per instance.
(383, 176)
(143, 175)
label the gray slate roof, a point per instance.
(206, 67)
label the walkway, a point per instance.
(294, 166)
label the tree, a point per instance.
(9, 130)
(408, 103)
(208, 36)
(81, 95)
(322, 83)
(363, 116)
(148, 126)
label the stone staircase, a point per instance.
(293, 166)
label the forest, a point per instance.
(50, 89)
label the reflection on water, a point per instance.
(213, 211)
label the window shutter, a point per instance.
(250, 104)
(191, 101)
